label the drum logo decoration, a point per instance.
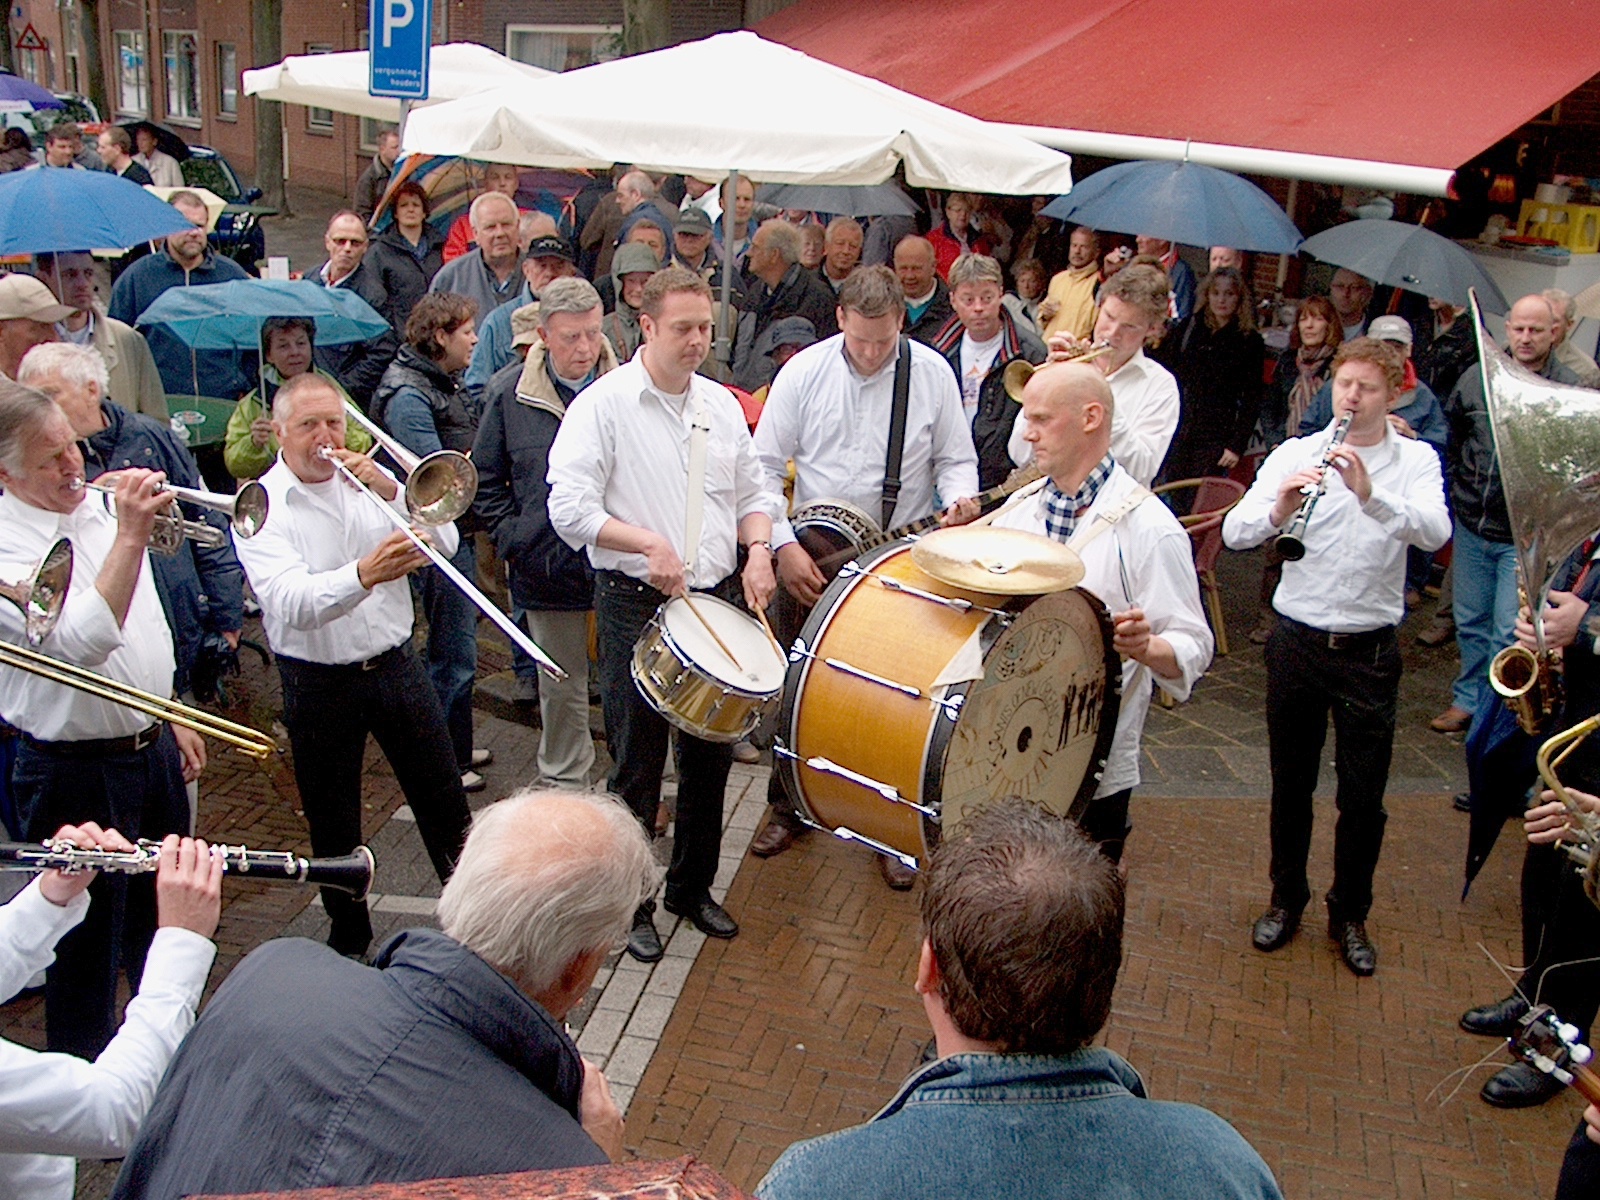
(910, 699)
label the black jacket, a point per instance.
(403, 275)
(798, 294)
(1476, 497)
(522, 413)
(359, 365)
(1441, 361)
(933, 318)
(201, 587)
(997, 412)
(308, 1069)
(1219, 383)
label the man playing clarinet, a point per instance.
(1334, 645)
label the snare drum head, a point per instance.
(760, 667)
(1039, 723)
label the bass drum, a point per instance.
(908, 701)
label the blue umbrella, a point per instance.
(21, 95)
(54, 209)
(228, 316)
(1179, 202)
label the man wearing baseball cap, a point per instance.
(547, 257)
(28, 316)
(691, 245)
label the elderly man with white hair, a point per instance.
(488, 274)
(447, 1056)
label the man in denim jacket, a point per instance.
(1022, 920)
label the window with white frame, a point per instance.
(319, 120)
(180, 54)
(133, 73)
(563, 47)
(228, 80)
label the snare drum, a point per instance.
(908, 701)
(689, 679)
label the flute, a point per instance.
(1291, 542)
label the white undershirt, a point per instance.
(976, 359)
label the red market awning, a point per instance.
(1381, 93)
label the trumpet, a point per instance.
(349, 873)
(1019, 370)
(425, 514)
(246, 511)
(1291, 542)
(439, 487)
(41, 598)
(1585, 852)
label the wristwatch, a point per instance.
(767, 546)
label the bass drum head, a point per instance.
(1039, 724)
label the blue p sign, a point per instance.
(402, 35)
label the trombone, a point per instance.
(246, 511)
(439, 488)
(41, 598)
(439, 507)
(1586, 825)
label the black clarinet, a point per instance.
(1291, 542)
(348, 873)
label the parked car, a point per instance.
(238, 233)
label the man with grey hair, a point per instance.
(782, 288)
(134, 380)
(552, 586)
(1568, 355)
(841, 251)
(446, 1057)
(488, 274)
(81, 758)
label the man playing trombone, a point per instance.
(330, 571)
(83, 758)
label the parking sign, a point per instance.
(401, 36)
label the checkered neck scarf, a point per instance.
(1063, 512)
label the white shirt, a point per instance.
(834, 423)
(302, 566)
(976, 359)
(1151, 550)
(1143, 420)
(1353, 576)
(623, 451)
(138, 653)
(164, 169)
(55, 1106)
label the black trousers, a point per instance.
(1559, 927)
(786, 616)
(1357, 679)
(1580, 1169)
(139, 794)
(329, 711)
(638, 738)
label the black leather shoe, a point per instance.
(1495, 1020)
(706, 915)
(1519, 1086)
(1355, 947)
(1274, 928)
(644, 943)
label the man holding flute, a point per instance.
(1361, 503)
(620, 470)
(330, 571)
(83, 758)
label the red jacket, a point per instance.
(946, 249)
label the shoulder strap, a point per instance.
(1105, 520)
(897, 432)
(695, 498)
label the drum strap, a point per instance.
(1105, 520)
(695, 499)
(897, 432)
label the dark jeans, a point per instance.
(1559, 926)
(638, 738)
(329, 711)
(452, 644)
(1358, 682)
(140, 795)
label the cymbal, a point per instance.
(1007, 562)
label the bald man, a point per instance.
(1136, 559)
(927, 296)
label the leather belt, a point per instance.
(99, 747)
(1365, 639)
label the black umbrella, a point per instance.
(872, 200)
(167, 141)
(1407, 256)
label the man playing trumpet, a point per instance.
(83, 758)
(1136, 560)
(330, 572)
(1334, 645)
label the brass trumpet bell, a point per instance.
(1015, 377)
(41, 595)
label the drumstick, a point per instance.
(721, 645)
(761, 616)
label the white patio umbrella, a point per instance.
(831, 126)
(339, 81)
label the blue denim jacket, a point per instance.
(982, 1126)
